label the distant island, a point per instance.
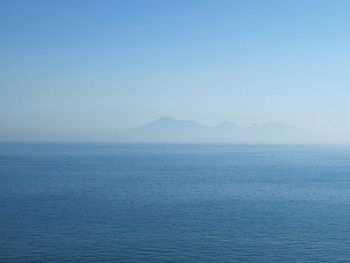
(168, 129)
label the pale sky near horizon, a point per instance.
(103, 65)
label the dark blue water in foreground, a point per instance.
(174, 203)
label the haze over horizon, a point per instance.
(86, 66)
(167, 129)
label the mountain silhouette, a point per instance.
(170, 123)
(168, 129)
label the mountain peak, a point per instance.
(164, 119)
(167, 122)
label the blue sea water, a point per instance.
(84, 202)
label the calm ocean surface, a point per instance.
(76, 202)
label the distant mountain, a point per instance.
(168, 123)
(168, 129)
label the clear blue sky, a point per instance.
(104, 65)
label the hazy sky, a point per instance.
(104, 65)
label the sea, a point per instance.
(110, 202)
